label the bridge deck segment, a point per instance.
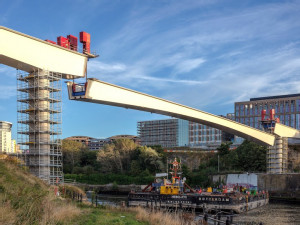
(105, 93)
(29, 54)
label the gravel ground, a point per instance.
(273, 214)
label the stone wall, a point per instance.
(294, 158)
(279, 182)
(269, 182)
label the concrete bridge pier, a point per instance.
(277, 156)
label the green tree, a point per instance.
(89, 158)
(71, 154)
(223, 149)
(135, 168)
(116, 157)
(251, 157)
(149, 159)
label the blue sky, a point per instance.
(205, 54)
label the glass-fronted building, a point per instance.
(179, 133)
(287, 109)
(203, 135)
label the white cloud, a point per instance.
(189, 65)
(100, 67)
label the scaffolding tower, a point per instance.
(158, 132)
(39, 123)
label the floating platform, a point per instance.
(199, 202)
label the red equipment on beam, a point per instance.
(272, 114)
(52, 42)
(62, 41)
(85, 38)
(73, 41)
(263, 114)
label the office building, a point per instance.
(179, 133)
(5, 137)
(204, 136)
(208, 137)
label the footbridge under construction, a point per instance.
(45, 64)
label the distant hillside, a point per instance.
(25, 199)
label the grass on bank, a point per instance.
(26, 200)
(107, 216)
(131, 216)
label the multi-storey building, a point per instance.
(13, 146)
(287, 109)
(202, 135)
(125, 136)
(5, 136)
(81, 139)
(208, 137)
(98, 143)
(167, 133)
(179, 133)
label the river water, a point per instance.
(271, 214)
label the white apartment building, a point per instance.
(5, 137)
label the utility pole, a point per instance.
(218, 163)
(167, 168)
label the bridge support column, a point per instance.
(277, 156)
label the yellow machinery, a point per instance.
(174, 187)
(169, 190)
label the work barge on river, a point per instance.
(177, 195)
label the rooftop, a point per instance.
(275, 97)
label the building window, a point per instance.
(271, 106)
(287, 120)
(298, 105)
(287, 106)
(256, 122)
(281, 119)
(293, 120)
(256, 109)
(293, 106)
(247, 120)
(242, 110)
(276, 107)
(297, 121)
(260, 109)
(281, 107)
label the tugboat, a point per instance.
(176, 194)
